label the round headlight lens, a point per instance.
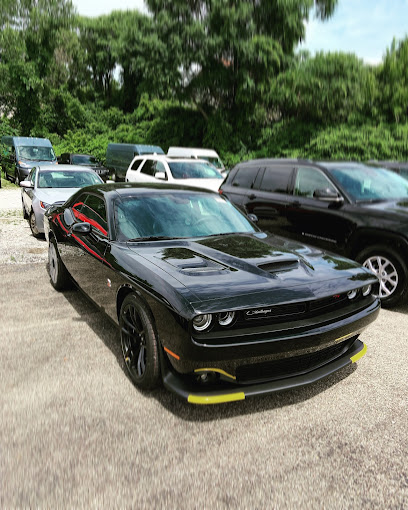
(226, 318)
(351, 294)
(366, 290)
(202, 322)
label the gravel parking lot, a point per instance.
(75, 432)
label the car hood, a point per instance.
(54, 195)
(243, 270)
(32, 163)
(212, 184)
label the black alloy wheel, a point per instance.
(33, 225)
(139, 343)
(392, 272)
(59, 275)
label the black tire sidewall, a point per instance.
(151, 377)
(400, 295)
(62, 280)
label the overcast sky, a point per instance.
(363, 27)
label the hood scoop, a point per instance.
(279, 266)
(187, 262)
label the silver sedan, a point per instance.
(48, 185)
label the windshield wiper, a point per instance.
(151, 238)
(226, 234)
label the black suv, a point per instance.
(356, 210)
(84, 160)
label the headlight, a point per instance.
(366, 290)
(226, 318)
(44, 205)
(351, 294)
(202, 322)
(23, 165)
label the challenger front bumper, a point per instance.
(229, 392)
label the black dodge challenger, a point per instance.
(204, 300)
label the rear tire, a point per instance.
(59, 275)
(139, 343)
(388, 265)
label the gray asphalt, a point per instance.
(75, 432)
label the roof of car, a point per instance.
(133, 189)
(267, 161)
(170, 159)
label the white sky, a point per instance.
(363, 27)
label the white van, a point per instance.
(189, 152)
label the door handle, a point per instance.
(252, 196)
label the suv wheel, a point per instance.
(391, 270)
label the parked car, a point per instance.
(205, 300)
(188, 172)
(400, 167)
(68, 158)
(189, 152)
(120, 155)
(48, 185)
(349, 208)
(20, 154)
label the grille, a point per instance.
(289, 367)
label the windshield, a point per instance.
(84, 160)
(35, 153)
(67, 179)
(214, 161)
(365, 183)
(177, 215)
(193, 170)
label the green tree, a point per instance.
(228, 53)
(393, 82)
(328, 88)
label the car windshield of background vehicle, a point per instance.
(368, 184)
(67, 179)
(175, 215)
(214, 161)
(36, 153)
(193, 170)
(84, 160)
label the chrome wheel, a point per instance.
(33, 225)
(53, 263)
(386, 272)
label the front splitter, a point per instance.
(229, 392)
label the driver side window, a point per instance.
(308, 180)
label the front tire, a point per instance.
(387, 264)
(59, 275)
(139, 343)
(25, 215)
(33, 226)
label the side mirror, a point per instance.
(161, 176)
(328, 195)
(82, 228)
(26, 184)
(253, 217)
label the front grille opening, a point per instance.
(290, 367)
